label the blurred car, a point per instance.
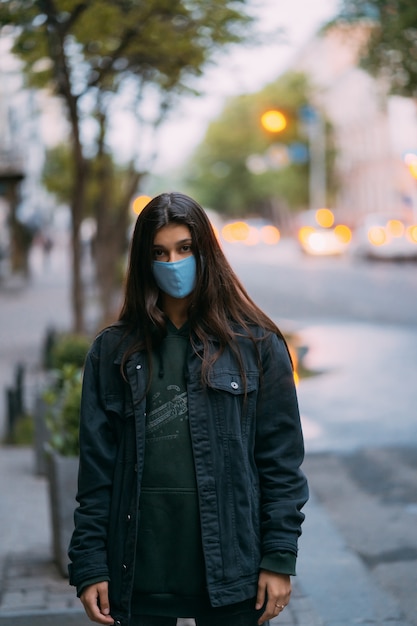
(319, 235)
(250, 232)
(382, 236)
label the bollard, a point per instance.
(15, 402)
(49, 342)
(19, 378)
(12, 412)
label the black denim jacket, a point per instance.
(248, 448)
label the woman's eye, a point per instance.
(186, 248)
(157, 253)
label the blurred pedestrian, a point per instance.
(190, 489)
(47, 245)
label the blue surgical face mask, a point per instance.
(178, 278)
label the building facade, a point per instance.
(372, 130)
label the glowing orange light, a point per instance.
(270, 235)
(413, 169)
(274, 121)
(343, 233)
(305, 233)
(139, 203)
(410, 160)
(377, 236)
(412, 233)
(235, 231)
(294, 359)
(324, 218)
(395, 228)
(227, 233)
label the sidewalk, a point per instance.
(333, 586)
(31, 589)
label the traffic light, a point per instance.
(274, 121)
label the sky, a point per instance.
(242, 70)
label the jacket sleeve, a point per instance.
(98, 450)
(279, 451)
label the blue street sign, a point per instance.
(298, 152)
(308, 114)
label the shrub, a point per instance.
(69, 349)
(63, 398)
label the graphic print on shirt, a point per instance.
(169, 412)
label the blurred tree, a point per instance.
(58, 174)
(105, 193)
(95, 54)
(241, 168)
(391, 50)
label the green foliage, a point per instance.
(63, 398)
(157, 41)
(58, 172)
(218, 172)
(58, 176)
(69, 350)
(63, 394)
(90, 53)
(391, 49)
(23, 432)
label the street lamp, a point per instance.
(314, 124)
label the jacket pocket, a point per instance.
(233, 400)
(116, 406)
(121, 420)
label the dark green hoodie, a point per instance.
(169, 573)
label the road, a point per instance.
(292, 286)
(359, 322)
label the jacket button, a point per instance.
(129, 518)
(234, 385)
(124, 566)
(139, 367)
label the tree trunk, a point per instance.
(111, 242)
(112, 223)
(57, 42)
(108, 261)
(77, 212)
(77, 288)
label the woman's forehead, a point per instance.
(171, 234)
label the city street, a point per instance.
(358, 323)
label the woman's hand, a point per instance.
(95, 599)
(275, 590)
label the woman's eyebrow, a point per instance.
(177, 243)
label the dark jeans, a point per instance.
(249, 618)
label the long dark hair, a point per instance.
(220, 307)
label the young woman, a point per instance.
(190, 489)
